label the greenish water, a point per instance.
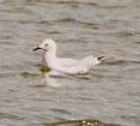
(110, 93)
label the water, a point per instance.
(110, 28)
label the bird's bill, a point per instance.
(37, 48)
(101, 58)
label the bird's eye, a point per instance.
(46, 44)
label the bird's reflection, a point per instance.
(49, 78)
(52, 81)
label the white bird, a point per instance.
(65, 65)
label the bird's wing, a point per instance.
(68, 62)
(72, 66)
(76, 69)
(89, 61)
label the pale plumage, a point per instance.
(65, 65)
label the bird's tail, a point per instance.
(101, 58)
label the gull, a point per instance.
(60, 65)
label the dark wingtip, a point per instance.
(100, 57)
(37, 48)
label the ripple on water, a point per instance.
(122, 62)
(7, 74)
(63, 111)
(70, 2)
(74, 21)
(10, 116)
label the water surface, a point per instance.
(110, 28)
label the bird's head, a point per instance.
(47, 45)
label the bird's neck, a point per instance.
(50, 55)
